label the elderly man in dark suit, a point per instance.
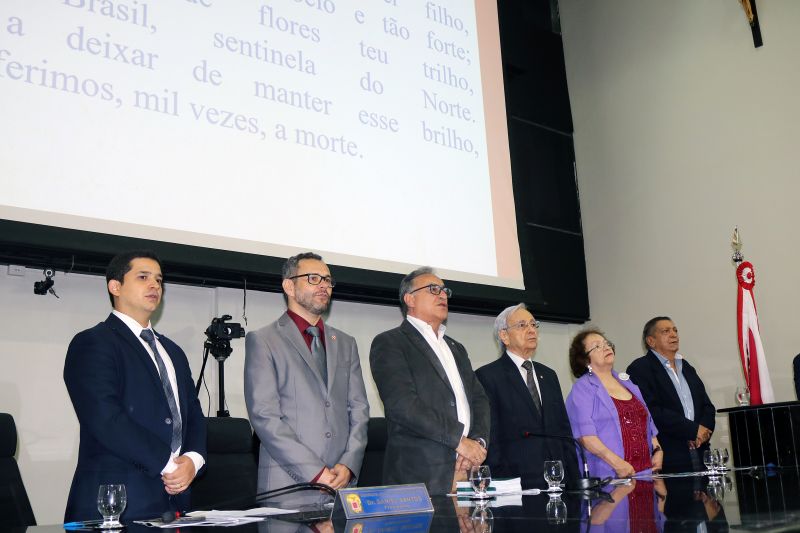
(526, 403)
(436, 410)
(141, 423)
(675, 396)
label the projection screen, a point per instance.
(373, 132)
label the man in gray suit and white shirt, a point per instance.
(304, 389)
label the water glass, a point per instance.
(480, 477)
(712, 461)
(724, 457)
(553, 474)
(727, 483)
(715, 490)
(482, 517)
(716, 457)
(742, 396)
(556, 510)
(708, 460)
(111, 502)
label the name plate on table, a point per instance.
(407, 523)
(381, 501)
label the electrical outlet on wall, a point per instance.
(16, 270)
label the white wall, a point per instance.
(37, 329)
(683, 130)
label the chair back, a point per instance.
(228, 480)
(372, 466)
(15, 507)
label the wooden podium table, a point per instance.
(765, 434)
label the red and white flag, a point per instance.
(754, 363)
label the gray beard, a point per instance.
(309, 306)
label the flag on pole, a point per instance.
(754, 363)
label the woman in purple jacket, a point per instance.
(607, 412)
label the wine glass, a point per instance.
(111, 502)
(727, 483)
(742, 396)
(715, 489)
(480, 477)
(553, 474)
(711, 459)
(724, 457)
(482, 517)
(716, 456)
(556, 510)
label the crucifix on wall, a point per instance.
(752, 17)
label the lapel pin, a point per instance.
(624, 376)
(333, 337)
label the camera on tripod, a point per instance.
(220, 330)
(218, 344)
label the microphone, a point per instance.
(254, 499)
(585, 481)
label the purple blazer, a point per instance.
(591, 411)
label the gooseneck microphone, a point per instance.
(167, 517)
(585, 482)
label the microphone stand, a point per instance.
(585, 481)
(260, 496)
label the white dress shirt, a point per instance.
(442, 350)
(137, 328)
(524, 373)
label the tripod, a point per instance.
(220, 349)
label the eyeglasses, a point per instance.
(315, 279)
(605, 344)
(435, 290)
(524, 325)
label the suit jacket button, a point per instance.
(327, 404)
(328, 434)
(168, 420)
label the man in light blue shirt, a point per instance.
(675, 396)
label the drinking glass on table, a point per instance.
(711, 460)
(553, 474)
(724, 458)
(480, 477)
(716, 456)
(111, 501)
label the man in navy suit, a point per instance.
(675, 396)
(526, 399)
(140, 421)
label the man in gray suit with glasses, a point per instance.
(304, 389)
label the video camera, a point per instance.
(220, 330)
(218, 344)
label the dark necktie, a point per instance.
(537, 402)
(177, 426)
(318, 352)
